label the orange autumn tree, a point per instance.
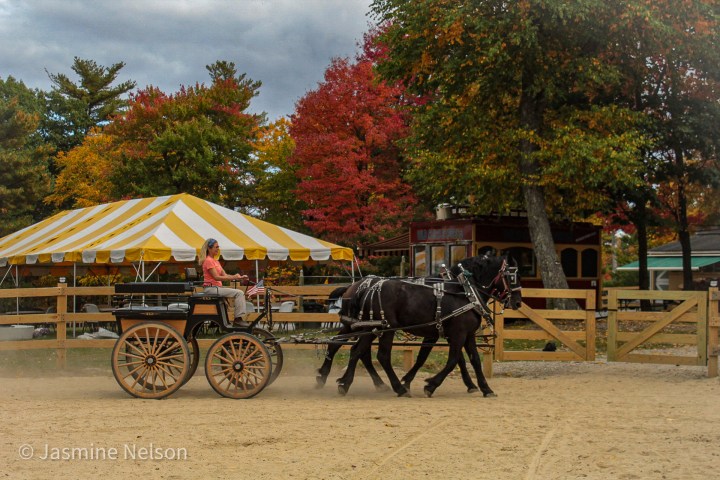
(85, 171)
(273, 177)
(348, 163)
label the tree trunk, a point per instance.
(641, 223)
(531, 114)
(549, 264)
(682, 221)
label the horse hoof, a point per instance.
(406, 385)
(428, 392)
(342, 390)
(405, 394)
(490, 394)
(320, 381)
(381, 387)
(473, 390)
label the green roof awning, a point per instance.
(671, 263)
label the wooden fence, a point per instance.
(572, 331)
(64, 320)
(687, 318)
(678, 319)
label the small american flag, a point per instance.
(257, 289)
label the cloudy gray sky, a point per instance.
(286, 44)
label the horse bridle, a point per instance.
(508, 276)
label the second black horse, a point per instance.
(423, 311)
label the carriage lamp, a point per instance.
(63, 280)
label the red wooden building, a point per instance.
(447, 240)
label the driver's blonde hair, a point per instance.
(202, 255)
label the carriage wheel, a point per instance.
(194, 357)
(150, 360)
(276, 354)
(238, 365)
(194, 353)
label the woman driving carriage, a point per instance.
(214, 275)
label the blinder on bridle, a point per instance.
(510, 283)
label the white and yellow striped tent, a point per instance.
(159, 229)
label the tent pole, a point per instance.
(17, 285)
(8, 272)
(257, 277)
(137, 271)
(153, 270)
(74, 300)
(357, 262)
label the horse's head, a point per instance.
(495, 277)
(511, 277)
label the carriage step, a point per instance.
(368, 323)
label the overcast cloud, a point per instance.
(286, 44)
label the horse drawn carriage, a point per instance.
(157, 351)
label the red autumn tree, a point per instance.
(349, 165)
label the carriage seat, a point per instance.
(151, 288)
(195, 284)
(167, 305)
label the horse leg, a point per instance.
(472, 351)
(324, 370)
(467, 379)
(420, 361)
(435, 381)
(384, 356)
(366, 359)
(356, 352)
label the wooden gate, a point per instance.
(676, 319)
(572, 331)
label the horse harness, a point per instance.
(371, 287)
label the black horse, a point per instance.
(346, 332)
(415, 308)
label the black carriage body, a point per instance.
(173, 303)
(157, 350)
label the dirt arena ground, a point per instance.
(549, 421)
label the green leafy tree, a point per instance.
(24, 179)
(73, 108)
(670, 71)
(198, 140)
(514, 112)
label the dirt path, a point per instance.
(550, 421)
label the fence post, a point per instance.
(488, 353)
(498, 351)
(408, 359)
(612, 305)
(713, 327)
(590, 328)
(61, 326)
